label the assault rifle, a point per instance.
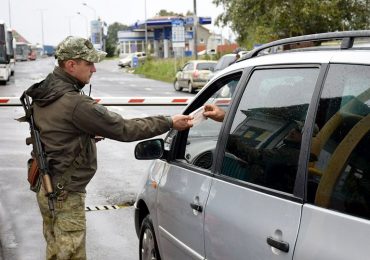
(38, 151)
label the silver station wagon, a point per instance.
(285, 175)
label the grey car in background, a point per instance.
(126, 60)
(285, 175)
(193, 75)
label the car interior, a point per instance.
(343, 183)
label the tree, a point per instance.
(168, 13)
(261, 21)
(112, 38)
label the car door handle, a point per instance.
(278, 244)
(196, 207)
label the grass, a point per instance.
(166, 69)
(111, 58)
(161, 69)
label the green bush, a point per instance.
(161, 69)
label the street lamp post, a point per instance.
(146, 30)
(42, 26)
(85, 4)
(69, 25)
(86, 23)
(93, 31)
(195, 29)
(10, 16)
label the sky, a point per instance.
(53, 20)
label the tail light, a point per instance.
(195, 74)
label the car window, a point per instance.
(263, 145)
(188, 66)
(205, 66)
(203, 137)
(339, 178)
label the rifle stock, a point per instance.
(38, 151)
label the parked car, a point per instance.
(225, 61)
(222, 63)
(127, 59)
(208, 52)
(193, 75)
(285, 175)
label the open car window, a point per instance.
(202, 138)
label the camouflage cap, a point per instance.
(74, 47)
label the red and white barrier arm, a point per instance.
(119, 101)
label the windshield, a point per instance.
(2, 53)
(21, 49)
(205, 66)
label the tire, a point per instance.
(190, 88)
(176, 85)
(148, 248)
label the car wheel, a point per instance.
(176, 85)
(148, 244)
(190, 88)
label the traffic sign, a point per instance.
(178, 33)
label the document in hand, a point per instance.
(198, 116)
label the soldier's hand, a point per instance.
(181, 122)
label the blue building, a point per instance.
(166, 36)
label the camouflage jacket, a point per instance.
(67, 119)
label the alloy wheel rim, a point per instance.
(147, 246)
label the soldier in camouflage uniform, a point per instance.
(68, 121)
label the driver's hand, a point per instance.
(214, 112)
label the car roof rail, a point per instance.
(346, 37)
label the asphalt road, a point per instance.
(110, 233)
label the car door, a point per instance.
(184, 186)
(253, 211)
(188, 70)
(182, 75)
(336, 218)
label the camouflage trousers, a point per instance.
(65, 234)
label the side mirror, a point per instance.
(149, 149)
(212, 69)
